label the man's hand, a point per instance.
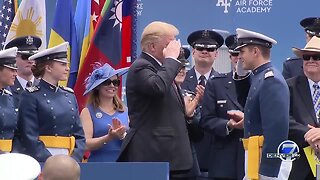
(172, 50)
(235, 125)
(236, 115)
(313, 137)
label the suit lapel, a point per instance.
(191, 81)
(230, 91)
(16, 88)
(305, 95)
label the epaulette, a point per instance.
(292, 58)
(220, 75)
(6, 91)
(67, 89)
(33, 89)
(269, 73)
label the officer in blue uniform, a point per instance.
(266, 112)
(205, 44)
(27, 46)
(8, 113)
(293, 66)
(48, 114)
(227, 154)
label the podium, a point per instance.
(125, 171)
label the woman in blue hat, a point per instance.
(8, 117)
(48, 119)
(105, 119)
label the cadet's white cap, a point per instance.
(8, 57)
(18, 167)
(56, 53)
(246, 37)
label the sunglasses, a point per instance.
(115, 82)
(234, 54)
(207, 49)
(315, 57)
(25, 56)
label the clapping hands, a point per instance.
(117, 130)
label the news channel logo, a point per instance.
(287, 151)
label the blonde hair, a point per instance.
(95, 101)
(155, 31)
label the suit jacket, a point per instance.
(227, 154)
(158, 131)
(301, 114)
(202, 147)
(292, 67)
(17, 89)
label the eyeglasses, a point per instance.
(207, 49)
(315, 57)
(115, 82)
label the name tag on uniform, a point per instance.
(221, 101)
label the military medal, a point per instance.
(99, 115)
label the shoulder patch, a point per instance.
(67, 89)
(268, 74)
(33, 89)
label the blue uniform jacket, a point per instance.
(202, 147)
(292, 67)
(267, 113)
(8, 115)
(227, 154)
(50, 111)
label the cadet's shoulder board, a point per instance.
(220, 75)
(33, 89)
(268, 74)
(67, 89)
(5, 91)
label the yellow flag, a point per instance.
(312, 159)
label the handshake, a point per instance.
(236, 119)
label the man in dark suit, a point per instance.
(27, 46)
(205, 44)
(293, 66)
(227, 153)
(158, 131)
(304, 110)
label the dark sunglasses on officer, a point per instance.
(115, 82)
(25, 56)
(201, 47)
(307, 57)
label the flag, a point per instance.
(30, 20)
(7, 12)
(84, 28)
(63, 29)
(96, 8)
(106, 44)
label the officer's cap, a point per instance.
(313, 46)
(28, 45)
(8, 58)
(231, 43)
(57, 53)
(101, 74)
(18, 166)
(311, 25)
(246, 37)
(205, 39)
(184, 55)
